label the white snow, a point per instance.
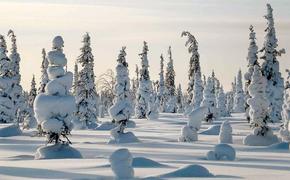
(57, 151)
(121, 164)
(10, 130)
(223, 152)
(212, 130)
(188, 171)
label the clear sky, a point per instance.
(220, 26)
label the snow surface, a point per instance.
(10, 130)
(57, 151)
(222, 152)
(158, 142)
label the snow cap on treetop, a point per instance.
(57, 42)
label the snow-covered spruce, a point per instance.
(44, 76)
(121, 110)
(16, 89)
(194, 65)
(121, 163)
(54, 108)
(239, 96)
(270, 68)
(262, 134)
(75, 79)
(209, 100)
(161, 90)
(197, 91)
(7, 108)
(29, 119)
(179, 100)
(189, 131)
(225, 135)
(284, 131)
(252, 59)
(145, 86)
(221, 103)
(222, 152)
(170, 84)
(230, 99)
(86, 97)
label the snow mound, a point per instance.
(57, 151)
(127, 137)
(212, 130)
(188, 134)
(222, 152)
(280, 146)
(11, 130)
(188, 171)
(121, 164)
(258, 140)
(145, 163)
(105, 126)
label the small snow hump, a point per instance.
(121, 164)
(193, 170)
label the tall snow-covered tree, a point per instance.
(32, 93)
(121, 110)
(230, 98)
(161, 89)
(252, 59)
(54, 108)
(170, 75)
(7, 110)
(239, 96)
(194, 65)
(179, 100)
(221, 103)
(44, 76)
(145, 85)
(284, 131)
(259, 111)
(16, 91)
(86, 99)
(170, 84)
(197, 91)
(209, 100)
(270, 67)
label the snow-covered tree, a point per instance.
(54, 108)
(259, 111)
(16, 91)
(239, 96)
(252, 59)
(230, 98)
(87, 97)
(44, 76)
(161, 88)
(284, 131)
(121, 110)
(179, 99)
(197, 91)
(29, 119)
(170, 75)
(7, 110)
(270, 67)
(225, 135)
(145, 85)
(209, 100)
(194, 65)
(221, 103)
(76, 79)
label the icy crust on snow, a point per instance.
(222, 152)
(57, 151)
(47, 107)
(212, 130)
(189, 131)
(126, 137)
(121, 164)
(258, 140)
(10, 130)
(188, 171)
